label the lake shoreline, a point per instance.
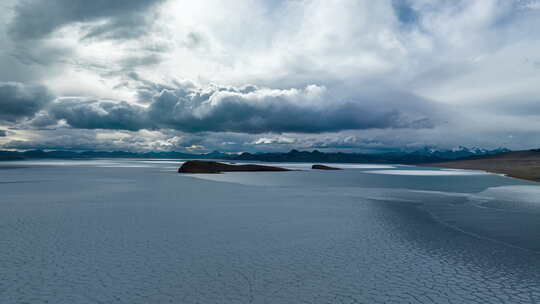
(524, 170)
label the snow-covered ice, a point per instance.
(442, 172)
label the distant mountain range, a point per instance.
(40, 154)
(458, 152)
(421, 156)
(425, 155)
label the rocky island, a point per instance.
(200, 166)
(324, 167)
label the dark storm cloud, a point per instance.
(3, 133)
(35, 19)
(99, 114)
(247, 110)
(42, 120)
(19, 100)
(268, 111)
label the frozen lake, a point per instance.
(135, 231)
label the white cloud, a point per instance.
(476, 59)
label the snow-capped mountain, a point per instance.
(458, 152)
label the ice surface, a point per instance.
(519, 193)
(145, 234)
(442, 172)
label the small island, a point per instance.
(324, 167)
(200, 166)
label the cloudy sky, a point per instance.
(239, 75)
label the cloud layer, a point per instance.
(269, 75)
(245, 110)
(115, 19)
(18, 101)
